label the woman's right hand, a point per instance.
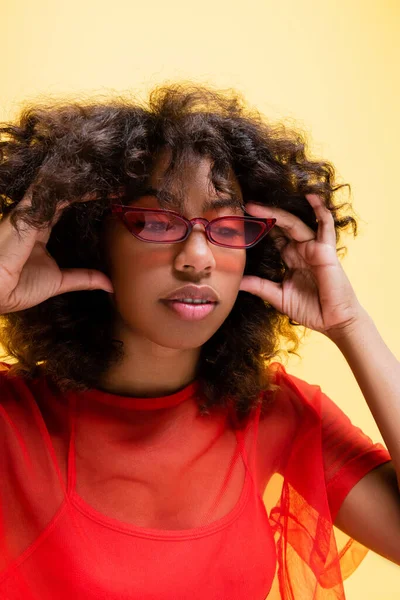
(29, 275)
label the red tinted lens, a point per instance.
(236, 231)
(155, 227)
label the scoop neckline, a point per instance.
(152, 533)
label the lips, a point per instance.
(193, 292)
(175, 301)
(190, 312)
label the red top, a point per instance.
(111, 497)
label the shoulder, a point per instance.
(14, 386)
(287, 411)
(28, 404)
(292, 393)
(17, 400)
(293, 410)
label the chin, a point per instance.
(183, 336)
(183, 342)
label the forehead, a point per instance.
(192, 182)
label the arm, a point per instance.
(317, 294)
(370, 513)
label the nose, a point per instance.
(195, 253)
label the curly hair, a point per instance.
(69, 149)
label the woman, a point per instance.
(153, 260)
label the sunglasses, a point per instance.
(160, 226)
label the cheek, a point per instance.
(232, 262)
(228, 275)
(125, 255)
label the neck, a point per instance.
(150, 370)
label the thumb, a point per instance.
(267, 290)
(74, 280)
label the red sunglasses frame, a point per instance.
(120, 210)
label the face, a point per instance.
(144, 273)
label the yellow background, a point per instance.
(331, 67)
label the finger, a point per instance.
(326, 225)
(268, 290)
(292, 226)
(44, 235)
(74, 280)
(16, 247)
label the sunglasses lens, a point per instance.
(236, 232)
(155, 227)
(232, 232)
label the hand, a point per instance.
(315, 292)
(29, 275)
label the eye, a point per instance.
(156, 225)
(227, 231)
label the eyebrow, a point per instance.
(234, 201)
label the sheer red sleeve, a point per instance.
(327, 456)
(348, 453)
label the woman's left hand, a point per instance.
(315, 292)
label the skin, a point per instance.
(162, 350)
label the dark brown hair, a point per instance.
(67, 150)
